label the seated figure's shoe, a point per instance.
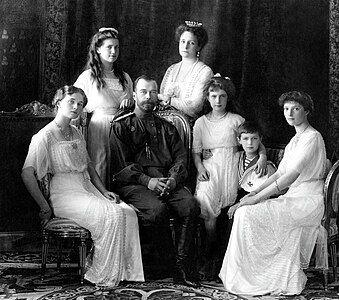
(180, 277)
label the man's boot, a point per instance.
(184, 238)
(165, 248)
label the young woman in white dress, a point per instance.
(108, 88)
(217, 176)
(272, 239)
(77, 193)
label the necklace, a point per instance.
(68, 136)
(214, 118)
(111, 71)
(299, 133)
(187, 73)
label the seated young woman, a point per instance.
(77, 193)
(272, 239)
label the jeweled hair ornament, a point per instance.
(102, 29)
(218, 75)
(193, 24)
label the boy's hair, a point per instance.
(249, 127)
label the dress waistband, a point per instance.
(85, 174)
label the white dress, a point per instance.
(114, 227)
(221, 137)
(272, 241)
(187, 96)
(103, 104)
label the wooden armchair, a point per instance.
(331, 218)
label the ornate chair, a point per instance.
(180, 121)
(330, 220)
(275, 153)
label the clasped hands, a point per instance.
(163, 186)
(249, 199)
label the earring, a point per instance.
(198, 53)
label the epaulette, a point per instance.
(122, 115)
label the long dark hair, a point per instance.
(94, 62)
(226, 84)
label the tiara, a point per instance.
(218, 75)
(193, 24)
(102, 29)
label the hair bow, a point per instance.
(102, 29)
(218, 75)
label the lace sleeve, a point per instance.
(37, 156)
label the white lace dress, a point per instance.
(187, 96)
(221, 137)
(103, 104)
(271, 242)
(114, 227)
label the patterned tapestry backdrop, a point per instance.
(334, 78)
(266, 47)
(19, 52)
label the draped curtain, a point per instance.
(266, 47)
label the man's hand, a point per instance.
(162, 186)
(170, 186)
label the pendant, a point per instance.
(74, 146)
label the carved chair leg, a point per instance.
(333, 251)
(172, 228)
(82, 252)
(325, 272)
(59, 251)
(44, 254)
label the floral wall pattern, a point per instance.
(53, 48)
(334, 78)
(19, 52)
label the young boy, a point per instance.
(249, 136)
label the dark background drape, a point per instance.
(266, 47)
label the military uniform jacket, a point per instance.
(145, 148)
